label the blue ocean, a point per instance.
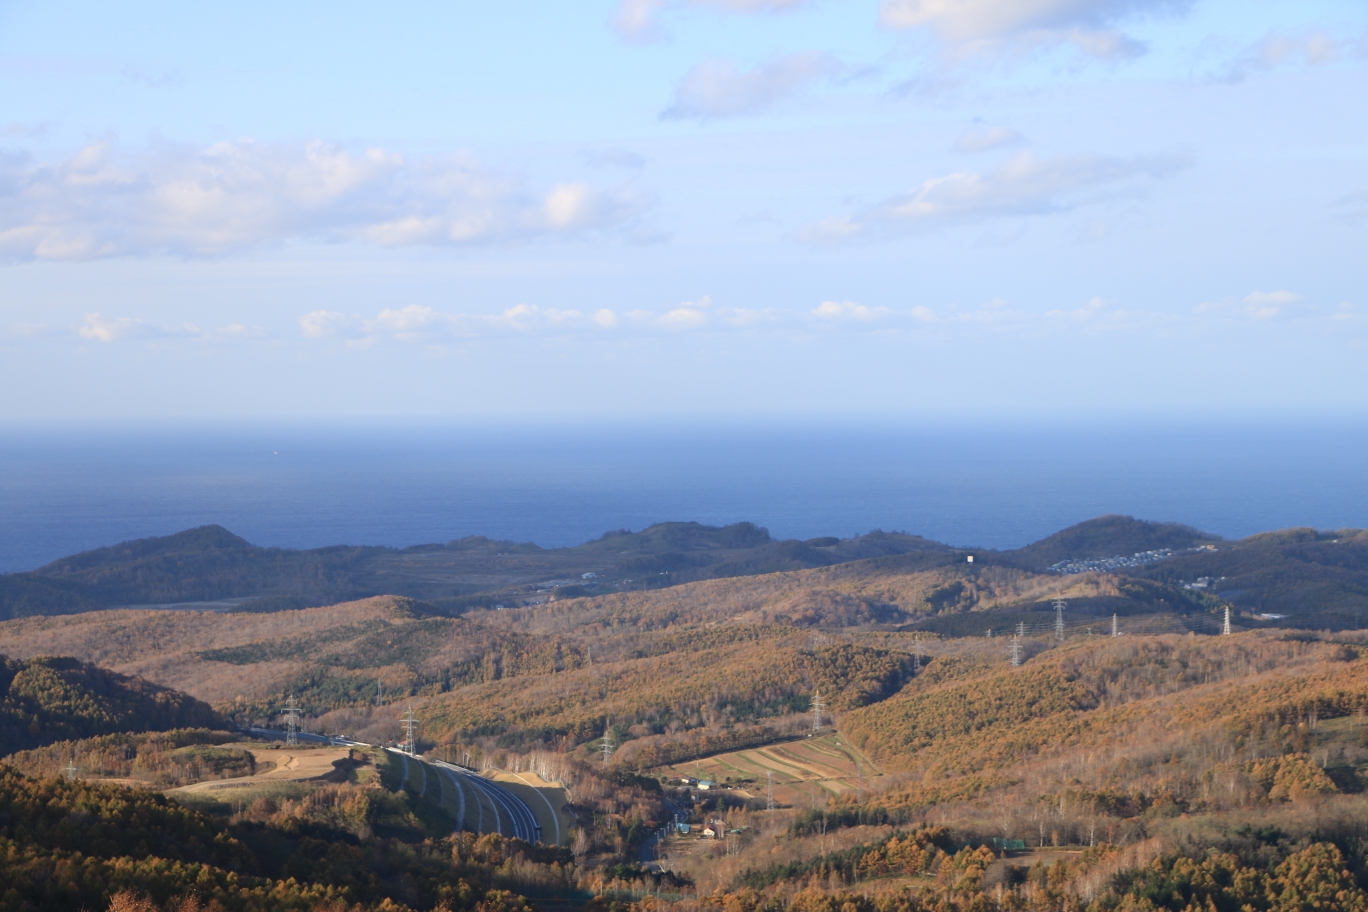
(63, 490)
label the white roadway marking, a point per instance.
(555, 818)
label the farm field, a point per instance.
(804, 771)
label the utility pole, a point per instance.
(817, 707)
(769, 790)
(291, 722)
(410, 724)
(1016, 651)
(1225, 628)
(1059, 606)
(607, 743)
(1116, 630)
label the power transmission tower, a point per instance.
(1059, 606)
(817, 708)
(411, 723)
(1116, 630)
(1016, 651)
(379, 694)
(607, 744)
(1021, 629)
(1225, 628)
(916, 655)
(70, 769)
(769, 790)
(291, 722)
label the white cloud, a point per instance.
(985, 139)
(1347, 312)
(236, 195)
(1022, 186)
(979, 26)
(417, 324)
(715, 88)
(689, 315)
(98, 329)
(240, 331)
(1258, 306)
(320, 323)
(95, 327)
(847, 311)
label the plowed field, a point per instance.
(802, 770)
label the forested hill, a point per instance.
(1311, 577)
(44, 700)
(1107, 536)
(211, 563)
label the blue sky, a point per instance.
(727, 208)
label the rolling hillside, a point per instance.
(210, 564)
(1163, 767)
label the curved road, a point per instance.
(512, 816)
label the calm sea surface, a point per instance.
(63, 491)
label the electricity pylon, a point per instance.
(411, 723)
(291, 722)
(1059, 606)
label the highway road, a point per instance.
(494, 808)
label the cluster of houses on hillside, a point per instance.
(1121, 562)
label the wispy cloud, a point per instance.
(1352, 207)
(983, 138)
(971, 27)
(205, 201)
(1023, 186)
(753, 6)
(641, 21)
(638, 21)
(1276, 49)
(613, 158)
(716, 89)
(847, 312)
(95, 327)
(425, 325)
(25, 130)
(1258, 306)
